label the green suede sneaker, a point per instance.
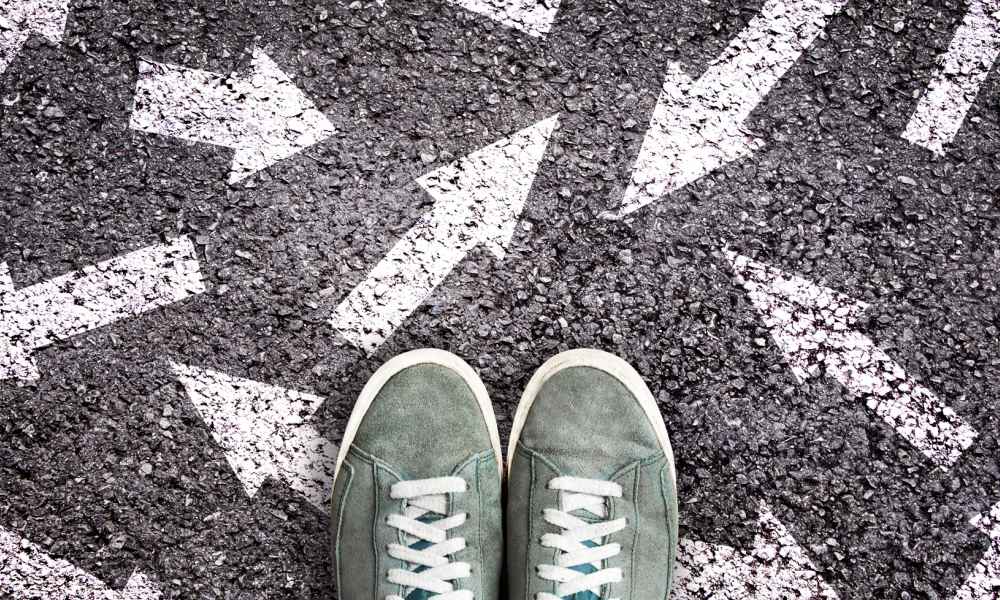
(416, 509)
(592, 499)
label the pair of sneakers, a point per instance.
(417, 509)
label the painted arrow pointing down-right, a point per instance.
(815, 328)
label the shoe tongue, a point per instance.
(585, 515)
(417, 593)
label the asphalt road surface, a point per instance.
(181, 251)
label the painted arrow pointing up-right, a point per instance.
(698, 127)
(815, 328)
(478, 201)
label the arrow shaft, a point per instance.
(852, 359)
(964, 69)
(106, 292)
(760, 55)
(190, 104)
(815, 328)
(910, 408)
(405, 277)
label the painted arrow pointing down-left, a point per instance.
(260, 114)
(21, 18)
(478, 201)
(698, 126)
(815, 328)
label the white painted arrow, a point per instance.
(262, 115)
(776, 568)
(21, 18)
(27, 572)
(533, 17)
(40, 315)
(964, 69)
(697, 127)
(478, 200)
(983, 583)
(815, 329)
(264, 431)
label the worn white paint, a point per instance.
(775, 568)
(964, 69)
(697, 127)
(533, 17)
(478, 201)
(983, 583)
(264, 431)
(260, 114)
(27, 572)
(43, 314)
(815, 328)
(19, 19)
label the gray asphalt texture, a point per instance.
(104, 462)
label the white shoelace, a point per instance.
(576, 493)
(425, 496)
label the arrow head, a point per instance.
(46, 18)
(776, 567)
(492, 183)
(279, 119)
(983, 581)
(21, 18)
(788, 572)
(691, 134)
(251, 421)
(801, 315)
(15, 352)
(140, 587)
